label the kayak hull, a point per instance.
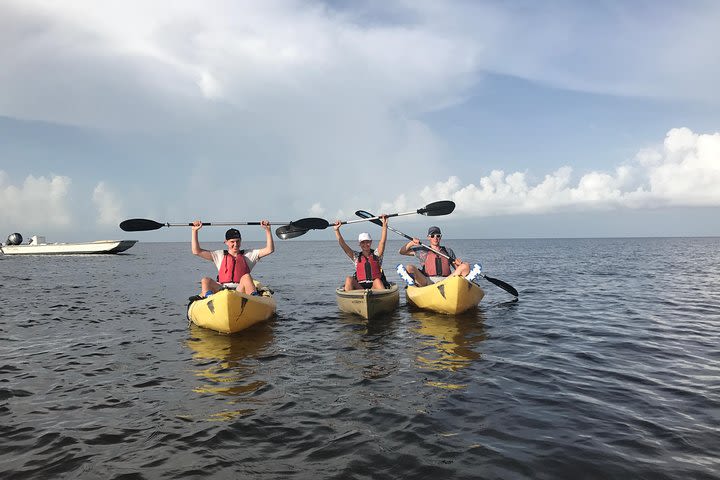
(368, 303)
(229, 311)
(451, 296)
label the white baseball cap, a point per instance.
(364, 236)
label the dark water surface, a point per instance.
(607, 367)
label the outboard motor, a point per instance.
(14, 239)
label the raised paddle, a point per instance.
(505, 286)
(300, 227)
(144, 225)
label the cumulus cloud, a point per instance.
(109, 207)
(684, 171)
(38, 202)
(175, 56)
(317, 209)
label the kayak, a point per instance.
(368, 303)
(452, 295)
(229, 311)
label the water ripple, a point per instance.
(607, 367)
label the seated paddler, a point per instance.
(435, 268)
(368, 262)
(234, 265)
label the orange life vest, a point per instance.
(232, 268)
(436, 265)
(367, 268)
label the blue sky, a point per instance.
(539, 119)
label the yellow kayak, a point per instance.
(229, 311)
(452, 295)
(368, 303)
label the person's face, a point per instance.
(435, 239)
(233, 244)
(365, 245)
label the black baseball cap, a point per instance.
(232, 233)
(434, 231)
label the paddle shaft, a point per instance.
(221, 224)
(302, 226)
(345, 222)
(145, 225)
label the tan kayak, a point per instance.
(229, 311)
(368, 303)
(452, 295)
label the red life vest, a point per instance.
(367, 268)
(232, 268)
(436, 265)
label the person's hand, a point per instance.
(457, 262)
(384, 219)
(337, 225)
(265, 224)
(197, 225)
(415, 242)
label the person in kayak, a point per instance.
(434, 267)
(368, 263)
(234, 265)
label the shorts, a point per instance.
(366, 285)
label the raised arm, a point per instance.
(383, 236)
(269, 243)
(195, 243)
(341, 240)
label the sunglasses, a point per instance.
(435, 235)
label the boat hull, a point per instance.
(368, 303)
(229, 311)
(100, 246)
(451, 296)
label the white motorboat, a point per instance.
(38, 246)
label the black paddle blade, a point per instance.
(312, 223)
(140, 225)
(365, 214)
(435, 209)
(505, 286)
(289, 231)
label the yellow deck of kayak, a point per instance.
(368, 303)
(452, 295)
(229, 311)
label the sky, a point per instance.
(538, 119)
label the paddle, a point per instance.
(505, 286)
(144, 225)
(300, 227)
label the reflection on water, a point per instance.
(367, 341)
(382, 325)
(448, 342)
(229, 364)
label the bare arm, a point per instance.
(341, 241)
(383, 236)
(269, 243)
(406, 249)
(195, 244)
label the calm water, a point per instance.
(607, 367)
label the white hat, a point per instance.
(364, 236)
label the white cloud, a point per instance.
(39, 202)
(110, 210)
(684, 171)
(171, 57)
(317, 210)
